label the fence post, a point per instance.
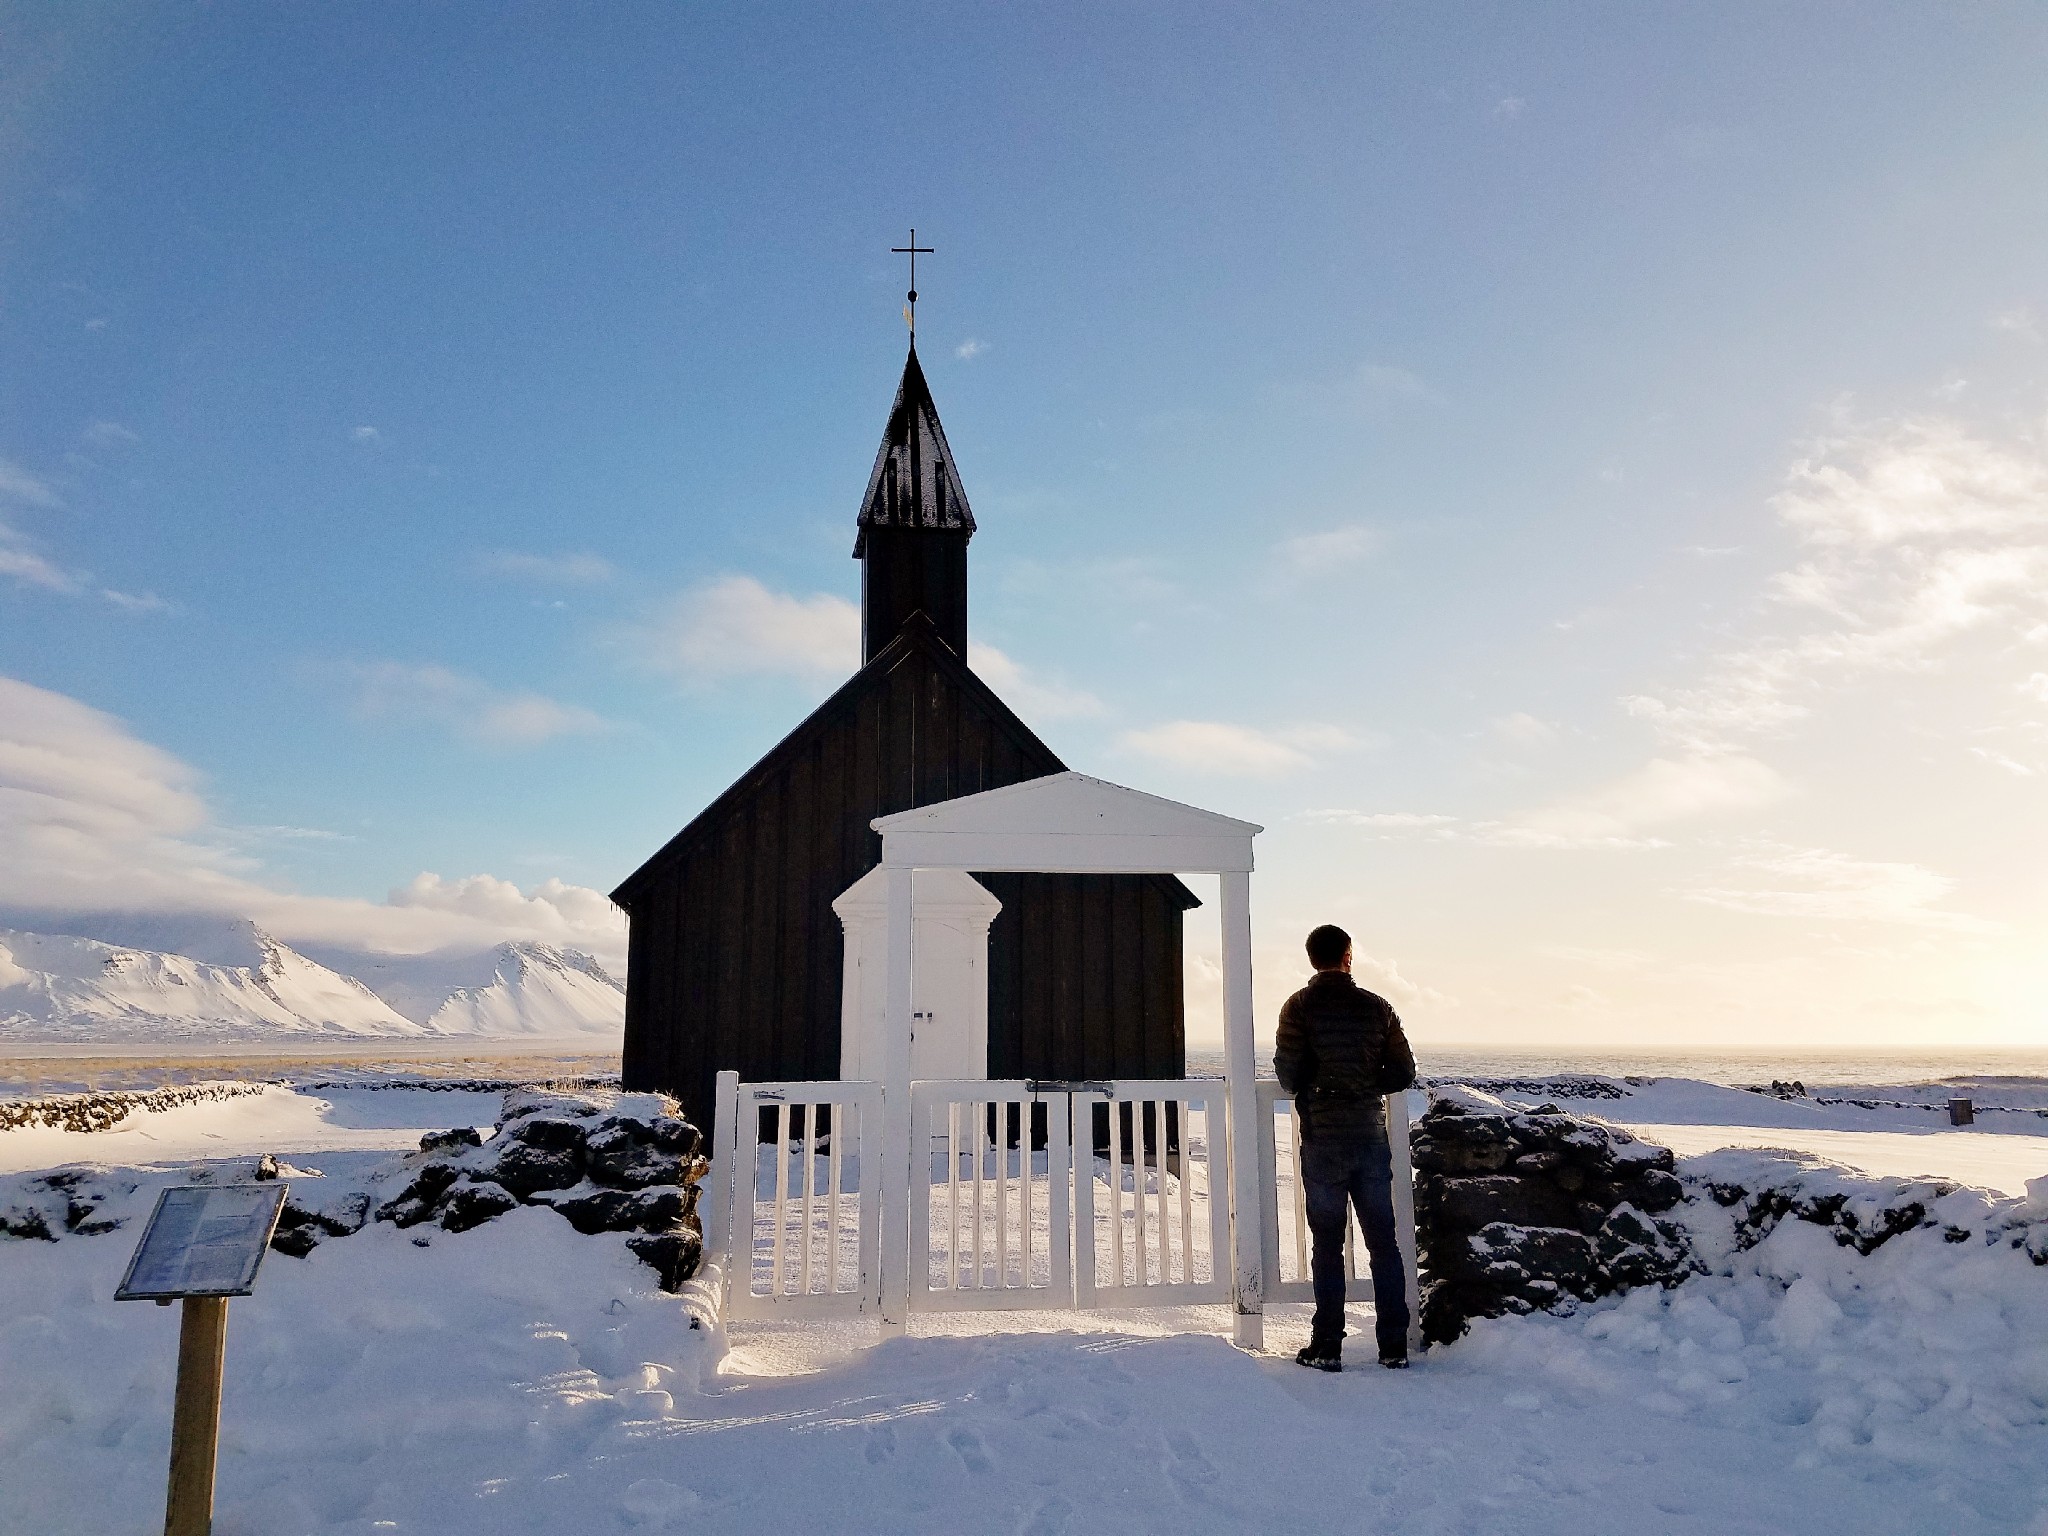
(1404, 1213)
(1240, 1068)
(895, 1171)
(720, 1229)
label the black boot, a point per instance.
(1322, 1355)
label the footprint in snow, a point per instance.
(970, 1448)
(1054, 1517)
(1192, 1472)
(881, 1444)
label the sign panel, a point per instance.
(203, 1242)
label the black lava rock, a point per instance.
(634, 1165)
(673, 1255)
(471, 1204)
(1525, 1211)
(527, 1169)
(551, 1134)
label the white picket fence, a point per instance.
(1283, 1213)
(1023, 1195)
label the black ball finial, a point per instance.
(913, 295)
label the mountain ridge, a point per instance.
(245, 985)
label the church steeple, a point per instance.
(914, 525)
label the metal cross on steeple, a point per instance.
(913, 251)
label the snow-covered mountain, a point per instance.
(206, 980)
(62, 988)
(520, 989)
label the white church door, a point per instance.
(950, 917)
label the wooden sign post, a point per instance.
(202, 1246)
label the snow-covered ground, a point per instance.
(1894, 1131)
(519, 1377)
(278, 1119)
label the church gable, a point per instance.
(913, 726)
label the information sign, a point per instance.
(203, 1242)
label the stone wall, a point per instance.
(606, 1163)
(1520, 1211)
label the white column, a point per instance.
(1240, 1070)
(724, 1176)
(895, 1173)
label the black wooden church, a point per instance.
(735, 953)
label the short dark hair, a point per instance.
(1327, 946)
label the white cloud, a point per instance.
(366, 435)
(570, 568)
(465, 705)
(2000, 760)
(2018, 321)
(20, 560)
(93, 819)
(1031, 696)
(1236, 751)
(107, 434)
(1524, 732)
(970, 349)
(1382, 383)
(734, 627)
(1816, 884)
(1510, 107)
(1921, 537)
(18, 485)
(553, 906)
(1399, 821)
(1663, 790)
(135, 602)
(30, 568)
(1385, 978)
(1618, 816)
(1332, 549)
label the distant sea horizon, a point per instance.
(1735, 1067)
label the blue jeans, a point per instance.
(1357, 1173)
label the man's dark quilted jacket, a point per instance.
(1340, 1050)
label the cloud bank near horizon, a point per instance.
(94, 819)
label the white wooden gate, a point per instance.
(797, 1197)
(990, 1196)
(1152, 1209)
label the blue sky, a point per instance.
(1575, 474)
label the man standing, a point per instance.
(1340, 1051)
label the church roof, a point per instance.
(919, 644)
(915, 483)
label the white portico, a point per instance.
(1065, 823)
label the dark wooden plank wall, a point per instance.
(736, 955)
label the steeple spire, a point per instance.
(914, 524)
